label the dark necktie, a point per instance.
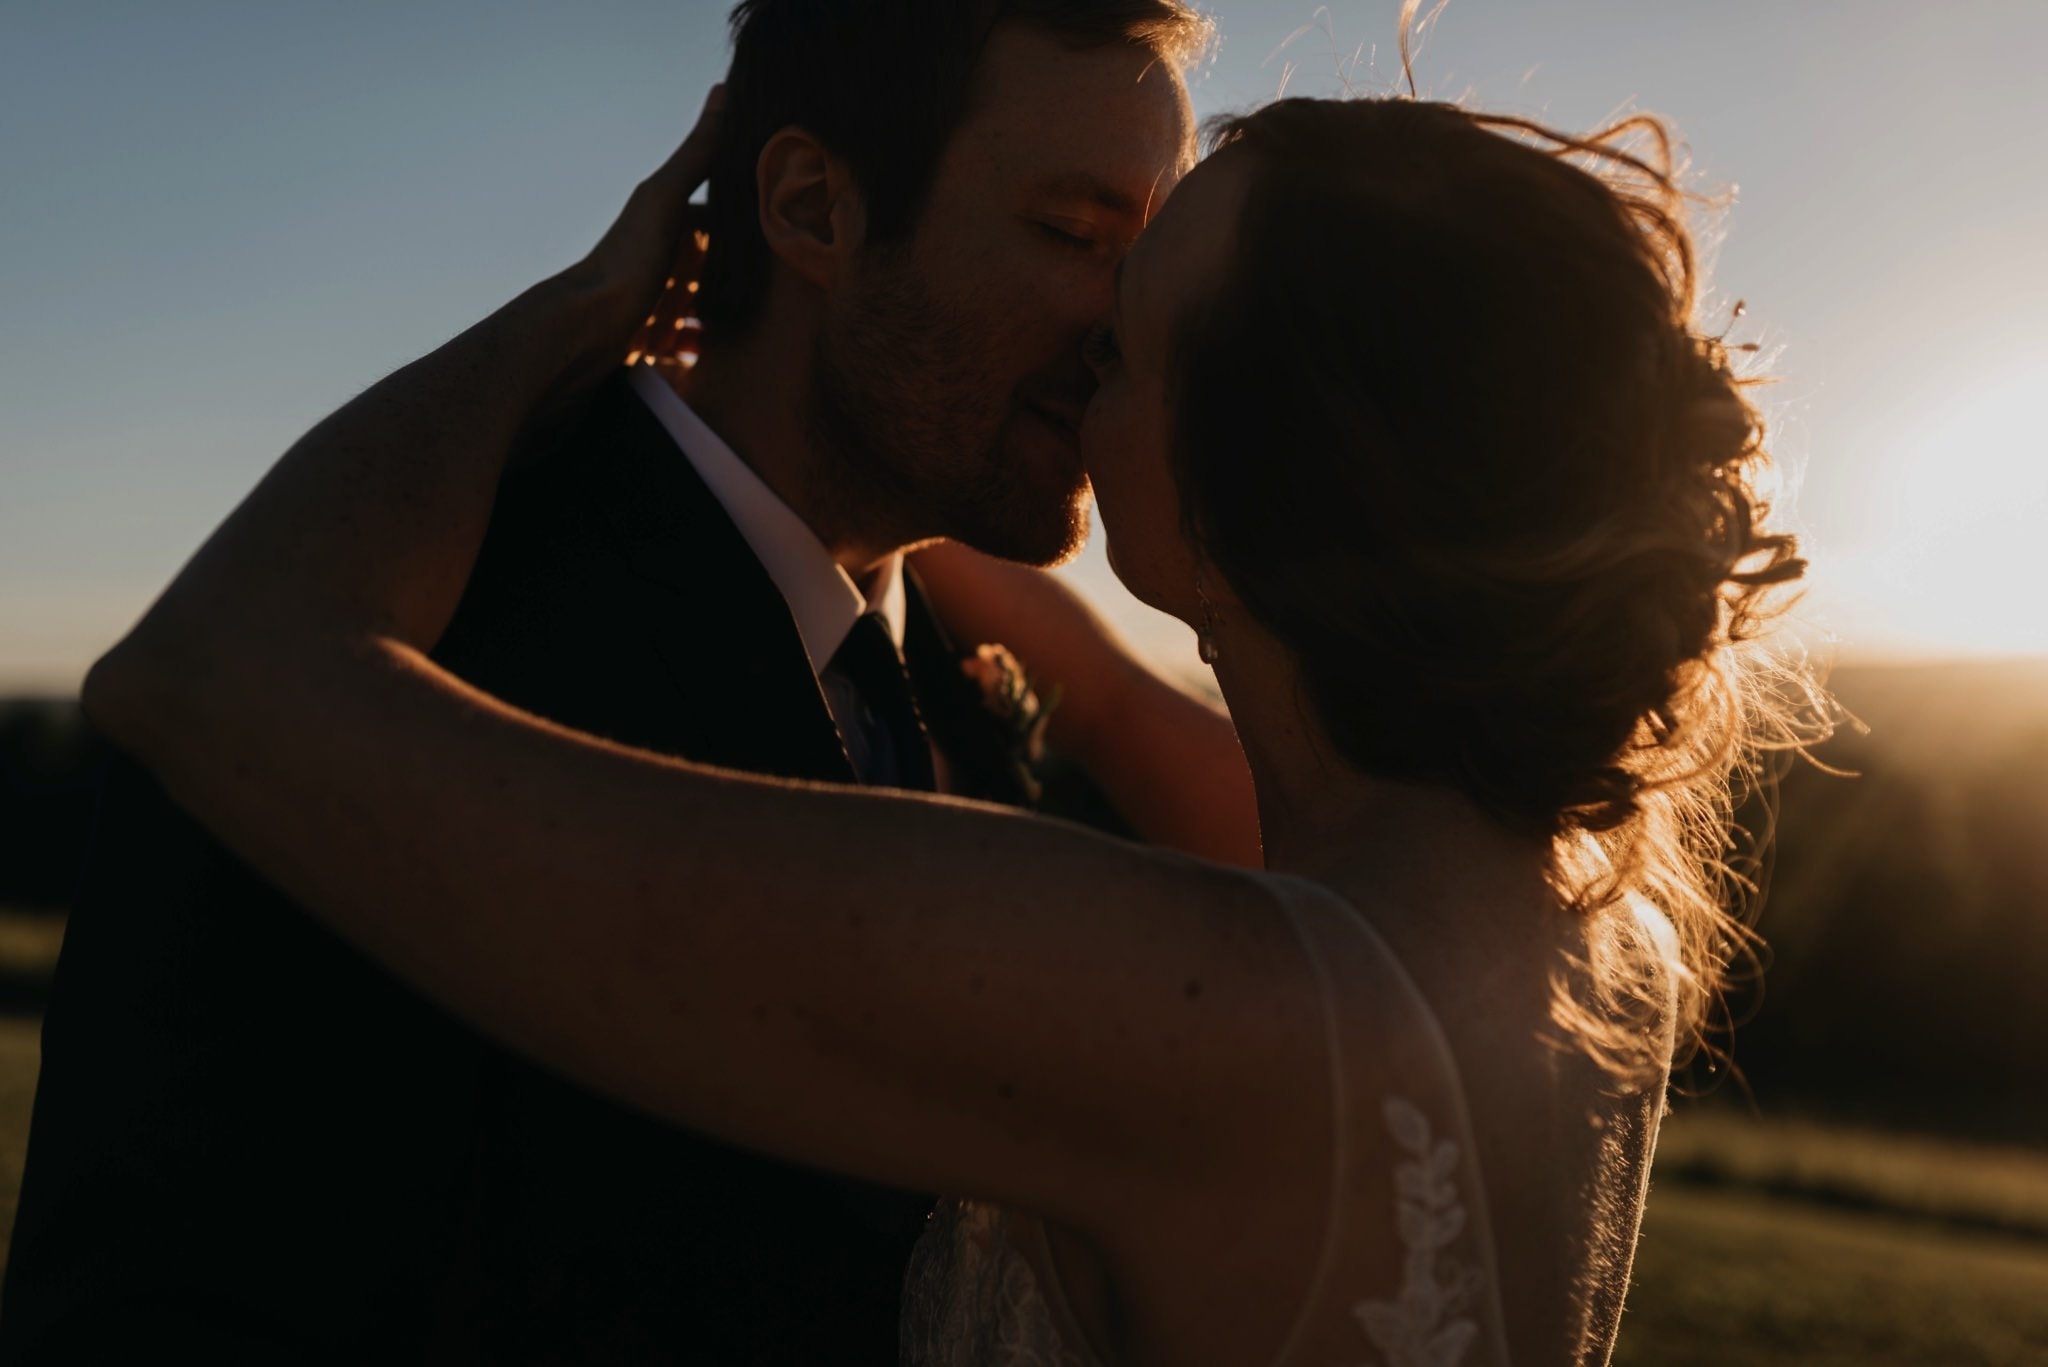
(897, 753)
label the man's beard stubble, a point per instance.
(908, 432)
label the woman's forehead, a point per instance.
(1188, 242)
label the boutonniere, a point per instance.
(1007, 695)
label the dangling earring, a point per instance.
(1205, 636)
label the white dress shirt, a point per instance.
(822, 596)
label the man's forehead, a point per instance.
(1109, 124)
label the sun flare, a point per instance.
(1950, 548)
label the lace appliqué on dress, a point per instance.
(1423, 1328)
(970, 1298)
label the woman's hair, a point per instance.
(1449, 432)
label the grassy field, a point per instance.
(1725, 1276)
(1782, 1242)
(1998, 1189)
(18, 1060)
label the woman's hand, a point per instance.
(365, 533)
(640, 280)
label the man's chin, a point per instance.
(1045, 530)
(1042, 519)
(1074, 530)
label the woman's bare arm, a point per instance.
(923, 992)
(1167, 760)
(929, 993)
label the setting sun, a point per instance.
(1948, 528)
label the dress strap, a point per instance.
(1399, 1110)
(1340, 1116)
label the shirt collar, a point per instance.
(822, 596)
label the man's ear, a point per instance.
(812, 213)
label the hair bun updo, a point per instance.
(1487, 484)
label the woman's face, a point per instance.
(1124, 437)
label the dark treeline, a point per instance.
(49, 771)
(1907, 917)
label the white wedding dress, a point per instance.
(1407, 1274)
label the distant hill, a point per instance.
(1907, 914)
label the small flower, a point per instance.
(1007, 694)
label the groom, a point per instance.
(249, 1145)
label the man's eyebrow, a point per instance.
(1081, 185)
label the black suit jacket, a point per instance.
(250, 1144)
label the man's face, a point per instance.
(950, 379)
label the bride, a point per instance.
(1402, 410)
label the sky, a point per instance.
(220, 220)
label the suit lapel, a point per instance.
(727, 640)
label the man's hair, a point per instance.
(882, 84)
